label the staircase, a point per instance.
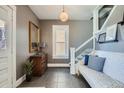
(74, 58)
(115, 15)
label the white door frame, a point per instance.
(13, 50)
(11, 56)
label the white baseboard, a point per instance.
(20, 80)
(58, 65)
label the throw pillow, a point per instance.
(96, 63)
(86, 57)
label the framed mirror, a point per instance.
(34, 37)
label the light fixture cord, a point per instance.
(63, 8)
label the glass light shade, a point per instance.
(63, 16)
(43, 45)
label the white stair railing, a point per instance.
(72, 60)
(85, 43)
(73, 57)
(108, 18)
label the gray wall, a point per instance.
(24, 15)
(79, 32)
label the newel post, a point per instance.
(72, 60)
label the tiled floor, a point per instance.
(57, 78)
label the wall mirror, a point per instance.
(34, 37)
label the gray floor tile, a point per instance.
(51, 85)
(64, 85)
(29, 85)
(56, 78)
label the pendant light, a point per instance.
(63, 15)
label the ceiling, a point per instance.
(51, 12)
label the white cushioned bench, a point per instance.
(112, 75)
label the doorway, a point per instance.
(7, 46)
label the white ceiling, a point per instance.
(51, 12)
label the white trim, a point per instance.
(13, 52)
(58, 65)
(20, 80)
(94, 42)
(72, 59)
(14, 46)
(12, 58)
(110, 15)
(95, 19)
(60, 57)
(67, 41)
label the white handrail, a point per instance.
(72, 55)
(86, 42)
(108, 18)
(72, 60)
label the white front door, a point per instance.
(6, 28)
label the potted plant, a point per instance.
(28, 70)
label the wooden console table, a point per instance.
(39, 64)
